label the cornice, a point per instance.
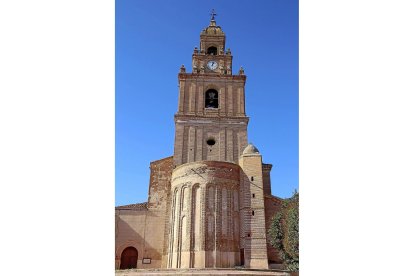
(267, 167)
(208, 119)
(215, 76)
(205, 56)
(135, 206)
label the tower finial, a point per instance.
(213, 13)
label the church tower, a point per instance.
(210, 222)
(209, 204)
(211, 122)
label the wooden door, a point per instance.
(129, 258)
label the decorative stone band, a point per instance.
(242, 120)
(204, 172)
(209, 76)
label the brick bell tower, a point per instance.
(210, 221)
(211, 123)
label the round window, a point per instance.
(211, 142)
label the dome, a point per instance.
(212, 29)
(251, 149)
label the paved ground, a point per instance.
(198, 272)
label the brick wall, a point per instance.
(204, 221)
(272, 206)
(253, 234)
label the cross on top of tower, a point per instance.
(213, 13)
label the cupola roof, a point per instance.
(250, 149)
(213, 29)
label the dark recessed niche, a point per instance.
(211, 99)
(211, 142)
(212, 50)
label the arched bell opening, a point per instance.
(211, 99)
(212, 50)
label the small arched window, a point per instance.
(211, 98)
(212, 50)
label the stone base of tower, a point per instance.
(206, 259)
(222, 259)
(257, 263)
(199, 259)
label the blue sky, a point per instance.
(153, 39)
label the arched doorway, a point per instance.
(129, 258)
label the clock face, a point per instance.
(212, 65)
